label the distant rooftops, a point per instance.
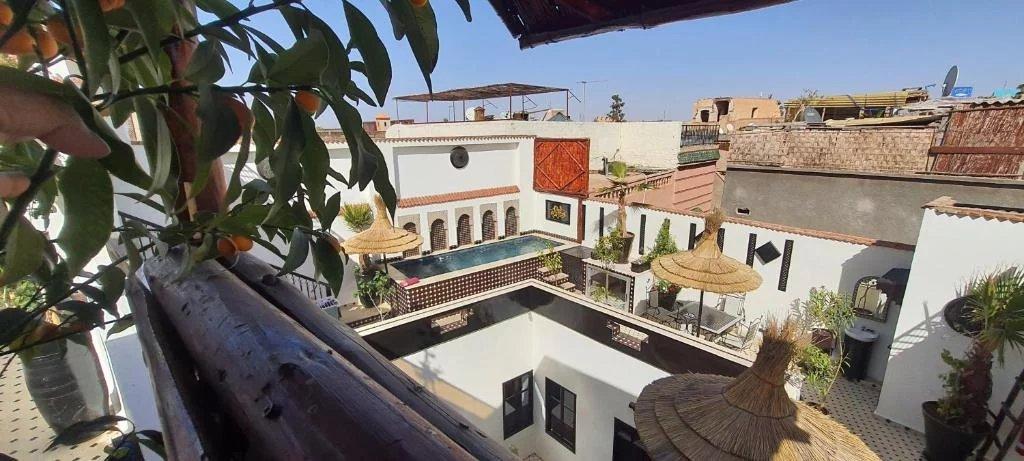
(947, 205)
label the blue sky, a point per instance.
(833, 46)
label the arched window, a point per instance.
(410, 227)
(438, 235)
(464, 230)
(487, 226)
(511, 221)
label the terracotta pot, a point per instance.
(945, 441)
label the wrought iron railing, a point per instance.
(698, 135)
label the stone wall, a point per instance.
(893, 150)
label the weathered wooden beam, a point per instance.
(187, 428)
(290, 394)
(349, 345)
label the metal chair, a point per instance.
(741, 336)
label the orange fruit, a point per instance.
(242, 113)
(59, 29)
(308, 101)
(19, 43)
(110, 5)
(6, 14)
(226, 247)
(418, 3)
(242, 242)
(47, 45)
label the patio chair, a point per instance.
(733, 304)
(741, 336)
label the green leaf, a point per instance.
(315, 162)
(121, 324)
(207, 65)
(90, 313)
(337, 73)
(220, 131)
(302, 63)
(156, 141)
(88, 211)
(23, 253)
(330, 212)
(88, 19)
(266, 39)
(285, 161)
(351, 124)
(235, 182)
(112, 280)
(464, 4)
(264, 133)
(421, 29)
(328, 263)
(153, 440)
(222, 9)
(153, 25)
(298, 249)
(357, 94)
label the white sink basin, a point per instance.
(865, 336)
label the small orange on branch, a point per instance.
(307, 101)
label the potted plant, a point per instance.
(617, 173)
(832, 312)
(664, 244)
(61, 367)
(373, 289)
(606, 251)
(817, 370)
(957, 421)
(667, 294)
(550, 260)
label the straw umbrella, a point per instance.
(705, 268)
(705, 417)
(382, 237)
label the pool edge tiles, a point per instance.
(396, 273)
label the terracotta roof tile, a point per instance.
(408, 202)
(946, 205)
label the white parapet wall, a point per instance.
(952, 248)
(653, 144)
(818, 259)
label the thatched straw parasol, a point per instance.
(705, 417)
(382, 237)
(705, 268)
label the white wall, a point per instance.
(816, 262)
(605, 381)
(540, 222)
(427, 170)
(951, 250)
(448, 208)
(653, 144)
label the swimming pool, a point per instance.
(429, 266)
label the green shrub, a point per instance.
(664, 243)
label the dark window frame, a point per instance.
(557, 408)
(519, 396)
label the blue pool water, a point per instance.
(429, 266)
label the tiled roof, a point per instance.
(450, 139)
(857, 240)
(408, 202)
(947, 205)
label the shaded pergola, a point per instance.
(493, 91)
(537, 22)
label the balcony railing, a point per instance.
(698, 135)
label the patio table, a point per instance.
(712, 320)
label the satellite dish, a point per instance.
(950, 81)
(811, 115)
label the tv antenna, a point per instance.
(585, 82)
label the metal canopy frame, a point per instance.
(497, 90)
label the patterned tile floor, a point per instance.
(853, 405)
(25, 434)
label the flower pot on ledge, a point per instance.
(627, 244)
(638, 266)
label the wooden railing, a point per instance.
(245, 366)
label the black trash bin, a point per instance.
(857, 348)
